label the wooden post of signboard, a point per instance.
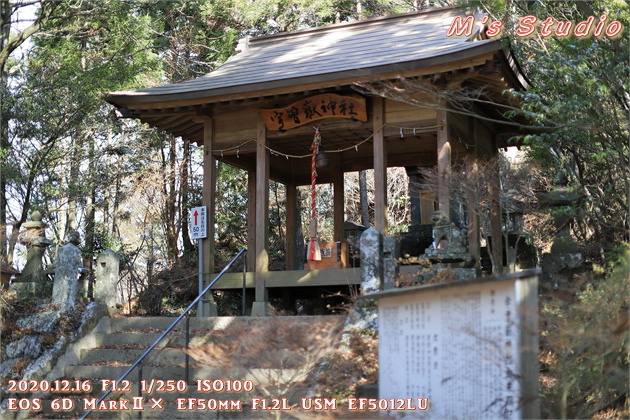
(291, 227)
(527, 301)
(380, 166)
(260, 307)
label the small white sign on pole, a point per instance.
(198, 222)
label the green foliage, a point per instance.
(231, 210)
(580, 95)
(585, 348)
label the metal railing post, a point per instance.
(244, 285)
(140, 386)
(187, 375)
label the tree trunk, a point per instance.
(189, 247)
(88, 255)
(172, 205)
(363, 197)
(5, 28)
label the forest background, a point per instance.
(129, 188)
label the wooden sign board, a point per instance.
(315, 108)
(471, 348)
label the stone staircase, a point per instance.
(241, 367)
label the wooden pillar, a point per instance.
(208, 200)
(260, 307)
(473, 212)
(495, 215)
(251, 221)
(380, 166)
(444, 160)
(291, 227)
(338, 200)
(473, 199)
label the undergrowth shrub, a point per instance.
(584, 340)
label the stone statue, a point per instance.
(67, 273)
(449, 242)
(443, 229)
(73, 237)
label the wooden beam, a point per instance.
(291, 227)
(251, 220)
(209, 200)
(302, 278)
(327, 125)
(380, 166)
(444, 160)
(262, 212)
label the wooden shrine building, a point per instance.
(382, 92)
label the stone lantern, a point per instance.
(564, 259)
(34, 238)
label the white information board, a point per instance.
(461, 346)
(198, 222)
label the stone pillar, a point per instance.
(107, 275)
(67, 273)
(390, 269)
(371, 261)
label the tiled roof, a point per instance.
(374, 46)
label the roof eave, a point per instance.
(124, 99)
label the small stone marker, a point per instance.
(471, 348)
(107, 273)
(390, 269)
(67, 273)
(371, 244)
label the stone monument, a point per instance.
(390, 268)
(564, 258)
(449, 249)
(371, 244)
(34, 238)
(67, 273)
(107, 273)
(466, 350)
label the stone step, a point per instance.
(109, 353)
(144, 340)
(159, 356)
(261, 377)
(186, 409)
(158, 324)
(179, 405)
(167, 356)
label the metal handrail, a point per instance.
(179, 318)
